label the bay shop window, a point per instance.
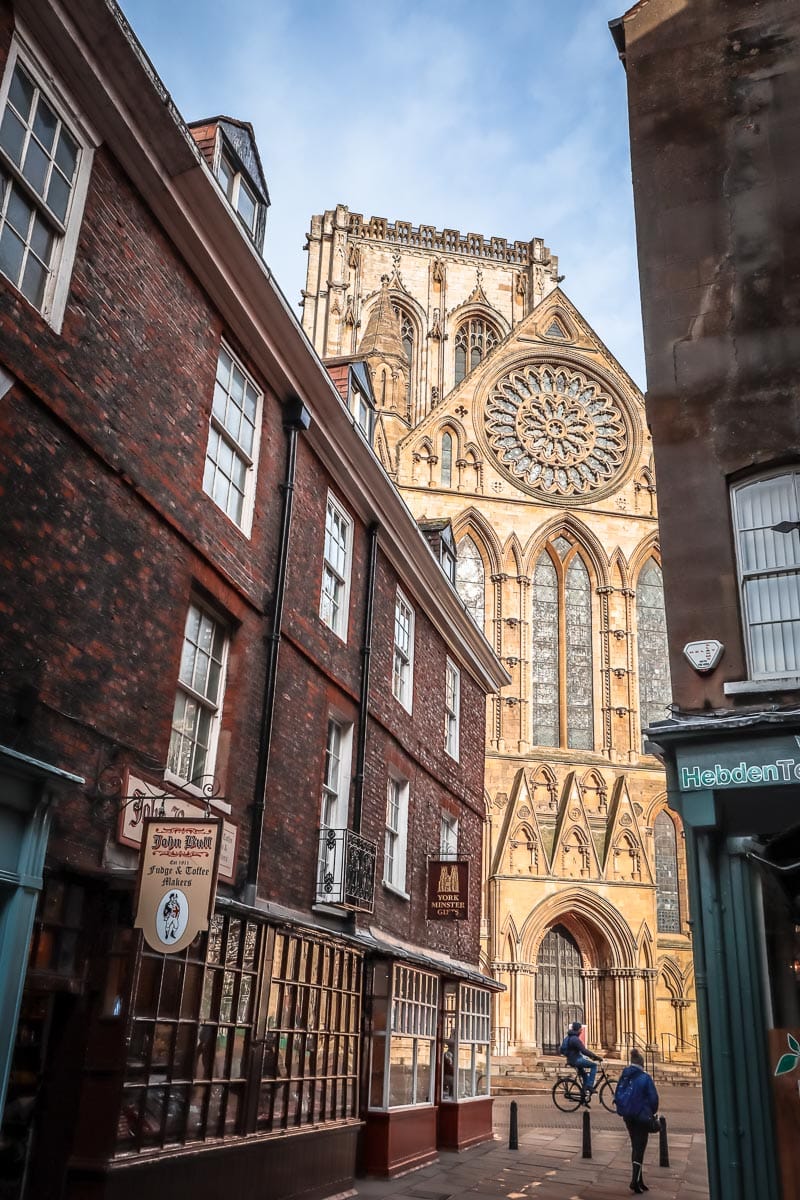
(402, 1059)
(250, 1029)
(466, 1040)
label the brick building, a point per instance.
(716, 180)
(213, 601)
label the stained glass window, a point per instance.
(447, 460)
(546, 723)
(471, 578)
(666, 847)
(578, 612)
(562, 675)
(474, 340)
(654, 681)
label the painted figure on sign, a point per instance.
(171, 912)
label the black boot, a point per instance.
(636, 1184)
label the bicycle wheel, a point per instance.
(566, 1095)
(607, 1094)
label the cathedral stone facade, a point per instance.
(500, 411)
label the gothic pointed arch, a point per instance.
(525, 851)
(512, 556)
(645, 945)
(648, 547)
(543, 788)
(594, 792)
(603, 936)
(652, 647)
(672, 977)
(476, 334)
(618, 573)
(471, 520)
(571, 526)
(665, 853)
(626, 859)
(562, 646)
(471, 577)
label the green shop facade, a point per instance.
(27, 790)
(735, 781)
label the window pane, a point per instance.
(471, 578)
(11, 252)
(35, 166)
(401, 1071)
(33, 281)
(20, 93)
(12, 136)
(654, 679)
(579, 680)
(45, 124)
(19, 212)
(58, 194)
(67, 154)
(545, 671)
(666, 852)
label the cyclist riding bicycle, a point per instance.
(579, 1057)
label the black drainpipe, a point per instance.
(296, 418)
(366, 657)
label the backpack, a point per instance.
(564, 1047)
(625, 1100)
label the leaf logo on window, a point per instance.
(788, 1062)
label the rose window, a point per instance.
(556, 431)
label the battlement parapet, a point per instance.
(450, 241)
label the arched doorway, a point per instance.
(559, 988)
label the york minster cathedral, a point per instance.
(520, 442)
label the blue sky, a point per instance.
(507, 119)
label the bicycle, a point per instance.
(569, 1093)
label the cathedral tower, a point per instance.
(510, 419)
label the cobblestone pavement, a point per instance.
(549, 1164)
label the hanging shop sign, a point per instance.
(177, 880)
(448, 890)
(143, 799)
(768, 762)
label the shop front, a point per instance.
(736, 784)
(27, 789)
(426, 1062)
(229, 1066)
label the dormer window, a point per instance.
(240, 195)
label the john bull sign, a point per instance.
(448, 890)
(769, 762)
(177, 881)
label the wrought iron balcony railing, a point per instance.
(346, 869)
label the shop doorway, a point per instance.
(559, 988)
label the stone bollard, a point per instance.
(663, 1147)
(513, 1128)
(587, 1135)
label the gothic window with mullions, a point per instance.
(563, 707)
(668, 917)
(654, 680)
(471, 578)
(474, 340)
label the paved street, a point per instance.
(549, 1164)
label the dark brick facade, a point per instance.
(108, 538)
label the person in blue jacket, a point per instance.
(636, 1100)
(579, 1057)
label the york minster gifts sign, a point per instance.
(177, 880)
(448, 890)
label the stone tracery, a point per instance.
(556, 431)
